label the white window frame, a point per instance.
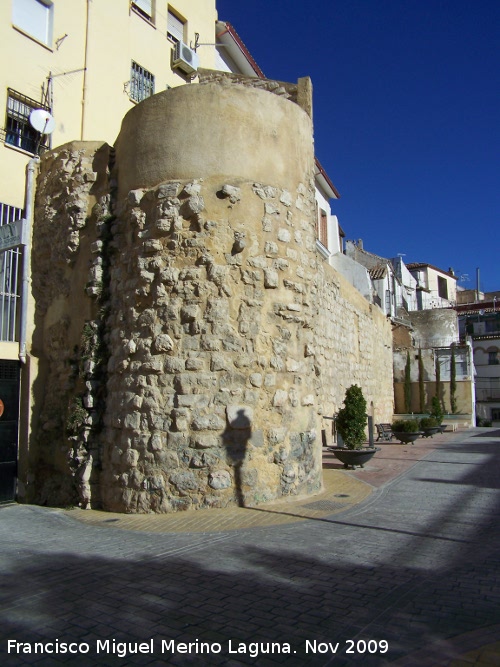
(34, 18)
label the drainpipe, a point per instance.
(25, 281)
(85, 61)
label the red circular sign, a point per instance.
(2, 407)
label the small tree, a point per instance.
(436, 411)
(438, 380)
(421, 390)
(408, 383)
(453, 383)
(351, 420)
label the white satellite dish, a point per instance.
(42, 121)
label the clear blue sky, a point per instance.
(406, 117)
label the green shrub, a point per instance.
(405, 426)
(351, 419)
(428, 422)
(437, 410)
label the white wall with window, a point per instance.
(327, 225)
(145, 8)
(463, 369)
(35, 18)
(175, 27)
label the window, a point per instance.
(442, 287)
(492, 325)
(18, 130)
(142, 83)
(34, 17)
(175, 28)
(322, 232)
(443, 358)
(10, 261)
(493, 358)
(144, 8)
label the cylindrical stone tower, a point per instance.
(211, 379)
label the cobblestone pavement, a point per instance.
(407, 576)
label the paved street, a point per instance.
(408, 576)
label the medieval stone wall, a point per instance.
(211, 396)
(191, 336)
(352, 345)
(68, 387)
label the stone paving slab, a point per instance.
(415, 563)
(341, 491)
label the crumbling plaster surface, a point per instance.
(436, 327)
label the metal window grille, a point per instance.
(18, 130)
(142, 83)
(9, 280)
(9, 370)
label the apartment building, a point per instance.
(70, 71)
(479, 323)
(87, 62)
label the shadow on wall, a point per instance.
(236, 438)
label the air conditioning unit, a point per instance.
(185, 58)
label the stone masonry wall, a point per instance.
(68, 389)
(211, 395)
(189, 337)
(352, 345)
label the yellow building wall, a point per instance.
(88, 61)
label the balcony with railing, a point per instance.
(488, 394)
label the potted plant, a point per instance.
(437, 413)
(429, 426)
(406, 430)
(351, 424)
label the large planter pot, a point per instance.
(407, 438)
(429, 431)
(354, 457)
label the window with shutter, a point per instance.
(323, 228)
(175, 27)
(34, 17)
(144, 8)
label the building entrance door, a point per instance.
(9, 425)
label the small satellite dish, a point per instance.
(42, 121)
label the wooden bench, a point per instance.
(384, 431)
